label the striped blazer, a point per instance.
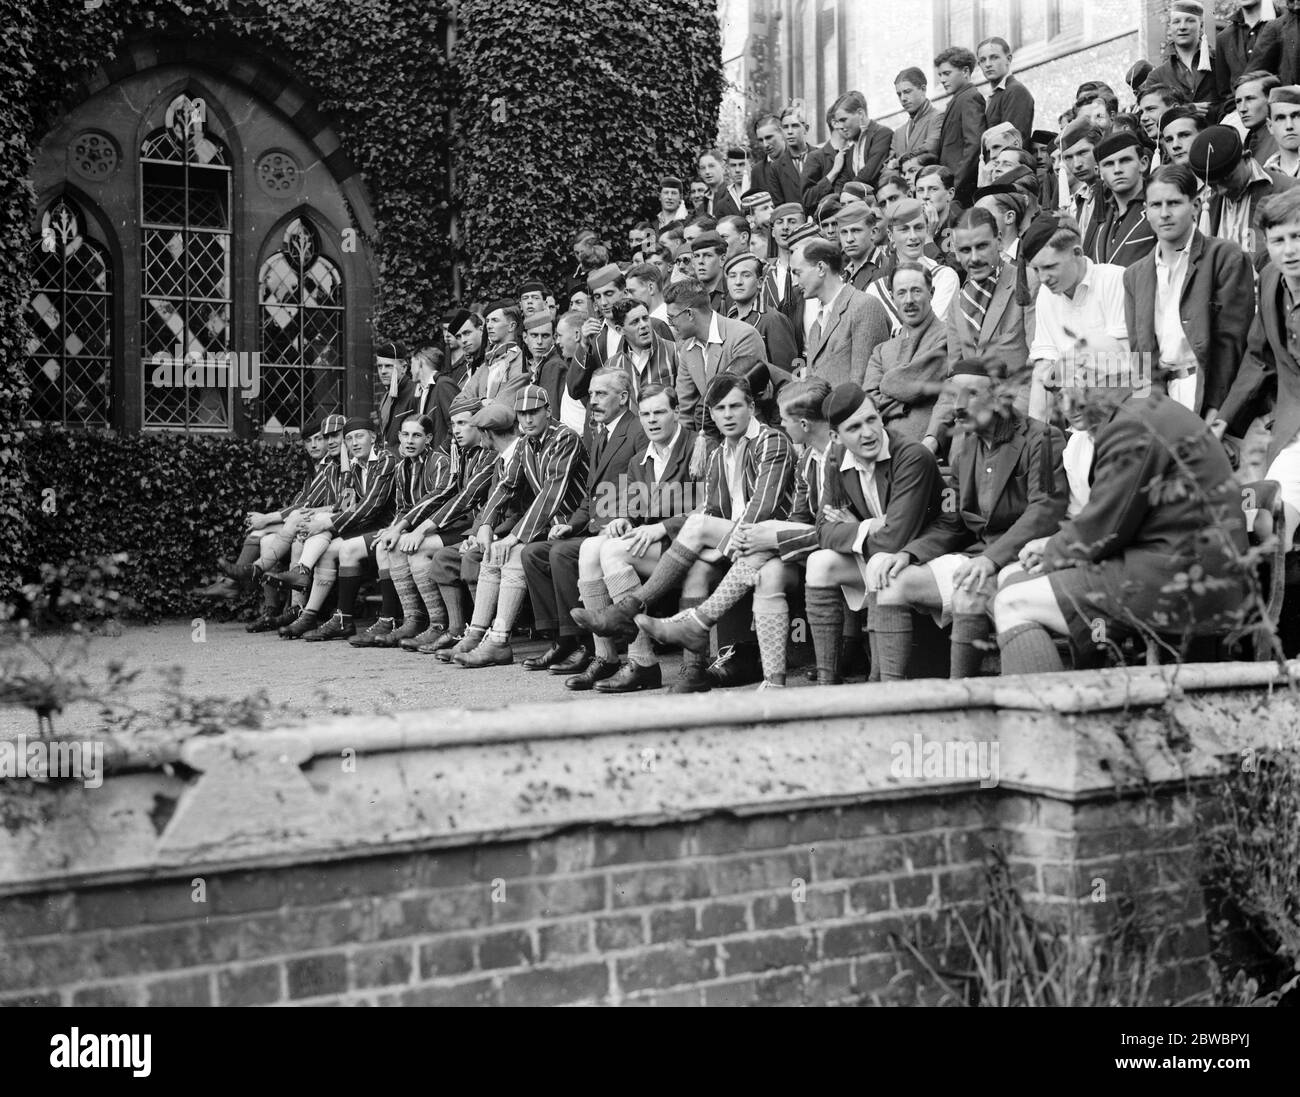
(767, 469)
(545, 477)
(660, 367)
(419, 496)
(795, 545)
(475, 470)
(368, 494)
(321, 490)
(789, 304)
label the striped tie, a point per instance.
(975, 298)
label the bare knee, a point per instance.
(820, 567)
(771, 578)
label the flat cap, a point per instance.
(737, 154)
(531, 397)
(602, 276)
(683, 251)
(494, 417)
(786, 209)
(1188, 7)
(465, 401)
(539, 320)
(743, 257)
(1046, 138)
(709, 240)
(357, 423)
(971, 367)
(332, 424)
(1286, 93)
(806, 231)
(753, 201)
(1215, 152)
(856, 213)
(843, 401)
(670, 182)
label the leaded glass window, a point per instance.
(301, 296)
(185, 317)
(69, 324)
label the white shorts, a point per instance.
(943, 568)
(1285, 469)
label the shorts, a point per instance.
(943, 568)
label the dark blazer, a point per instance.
(606, 467)
(1235, 52)
(778, 333)
(391, 412)
(904, 377)
(1031, 493)
(1013, 104)
(855, 327)
(1217, 304)
(553, 375)
(1198, 86)
(910, 490)
(767, 468)
(1269, 376)
(436, 404)
(876, 141)
(650, 500)
(1120, 239)
(779, 177)
(959, 139)
(723, 204)
(789, 305)
(1142, 525)
(1258, 190)
(1277, 49)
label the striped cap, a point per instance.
(332, 424)
(531, 397)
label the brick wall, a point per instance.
(793, 908)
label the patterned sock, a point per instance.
(690, 658)
(420, 569)
(392, 607)
(595, 596)
(739, 581)
(514, 589)
(322, 583)
(892, 626)
(1028, 649)
(485, 598)
(451, 599)
(825, 608)
(668, 574)
(970, 634)
(621, 582)
(349, 587)
(404, 587)
(772, 623)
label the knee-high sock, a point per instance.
(739, 581)
(349, 586)
(852, 624)
(392, 605)
(690, 658)
(399, 569)
(514, 589)
(970, 634)
(314, 549)
(1028, 649)
(322, 582)
(248, 552)
(485, 599)
(892, 626)
(622, 581)
(668, 574)
(772, 623)
(451, 598)
(421, 572)
(825, 607)
(595, 596)
(874, 675)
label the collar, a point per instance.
(851, 461)
(826, 306)
(733, 313)
(1001, 85)
(609, 427)
(754, 429)
(715, 336)
(664, 452)
(509, 451)
(1181, 251)
(1005, 431)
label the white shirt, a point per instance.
(1274, 162)
(660, 312)
(734, 467)
(1095, 314)
(1174, 347)
(781, 268)
(612, 339)
(1077, 458)
(639, 360)
(507, 453)
(867, 480)
(660, 457)
(820, 312)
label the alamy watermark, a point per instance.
(81, 760)
(917, 759)
(220, 370)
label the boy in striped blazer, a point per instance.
(749, 479)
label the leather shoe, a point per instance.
(736, 665)
(373, 637)
(265, 623)
(630, 678)
(428, 636)
(295, 578)
(336, 628)
(288, 617)
(445, 653)
(487, 654)
(303, 623)
(598, 670)
(408, 629)
(691, 678)
(684, 630)
(574, 663)
(616, 621)
(560, 648)
(238, 572)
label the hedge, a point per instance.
(172, 502)
(568, 115)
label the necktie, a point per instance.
(602, 435)
(815, 335)
(975, 298)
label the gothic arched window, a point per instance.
(302, 361)
(69, 321)
(185, 317)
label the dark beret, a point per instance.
(1137, 74)
(533, 287)
(311, 428)
(1183, 110)
(743, 257)
(504, 303)
(358, 423)
(1116, 141)
(1046, 138)
(1041, 229)
(1215, 152)
(843, 401)
(458, 320)
(670, 182)
(386, 348)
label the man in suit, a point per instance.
(849, 325)
(505, 371)
(1238, 185)
(1120, 233)
(1189, 304)
(780, 288)
(922, 130)
(985, 319)
(1269, 378)
(880, 494)
(963, 120)
(392, 362)
(750, 479)
(860, 153)
(1008, 100)
(776, 172)
(1164, 505)
(857, 230)
(546, 365)
(744, 276)
(645, 356)
(1234, 48)
(614, 439)
(1011, 489)
(433, 395)
(906, 372)
(707, 253)
(708, 345)
(1190, 64)
(718, 202)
